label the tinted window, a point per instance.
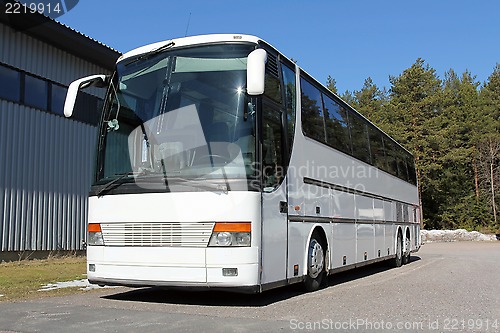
(35, 92)
(401, 159)
(326, 120)
(312, 112)
(377, 148)
(391, 158)
(289, 85)
(359, 138)
(58, 96)
(10, 84)
(412, 175)
(273, 88)
(337, 126)
(271, 148)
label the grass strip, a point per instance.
(22, 279)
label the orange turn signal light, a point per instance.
(94, 227)
(232, 227)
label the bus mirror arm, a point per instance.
(256, 71)
(99, 81)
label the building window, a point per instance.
(10, 84)
(35, 92)
(20, 87)
(58, 96)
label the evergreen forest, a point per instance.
(451, 126)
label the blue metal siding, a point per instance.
(45, 175)
(34, 56)
(46, 161)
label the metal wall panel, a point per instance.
(46, 161)
(22, 51)
(45, 175)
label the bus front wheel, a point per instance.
(315, 264)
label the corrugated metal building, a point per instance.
(46, 160)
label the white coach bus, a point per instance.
(222, 164)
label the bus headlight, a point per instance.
(223, 239)
(94, 237)
(231, 234)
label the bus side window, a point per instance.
(290, 90)
(313, 122)
(272, 170)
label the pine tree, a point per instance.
(415, 98)
(370, 100)
(487, 140)
(457, 123)
(331, 84)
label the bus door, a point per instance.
(274, 195)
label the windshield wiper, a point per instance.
(151, 53)
(106, 187)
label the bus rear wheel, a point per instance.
(407, 252)
(315, 264)
(398, 259)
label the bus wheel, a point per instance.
(398, 260)
(315, 264)
(406, 256)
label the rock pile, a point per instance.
(429, 236)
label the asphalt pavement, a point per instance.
(447, 287)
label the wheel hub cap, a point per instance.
(316, 259)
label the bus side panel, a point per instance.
(297, 247)
(389, 239)
(364, 229)
(365, 241)
(388, 211)
(344, 229)
(379, 217)
(316, 200)
(343, 205)
(380, 240)
(344, 244)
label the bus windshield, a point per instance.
(179, 117)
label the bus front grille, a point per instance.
(172, 234)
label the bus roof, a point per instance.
(192, 40)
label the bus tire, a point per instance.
(398, 259)
(315, 264)
(407, 253)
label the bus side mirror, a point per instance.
(99, 81)
(256, 72)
